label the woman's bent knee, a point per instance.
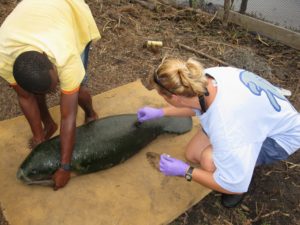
(195, 147)
(206, 161)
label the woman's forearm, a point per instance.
(173, 111)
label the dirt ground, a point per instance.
(120, 57)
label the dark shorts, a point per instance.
(271, 152)
(85, 58)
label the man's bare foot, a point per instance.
(32, 143)
(49, 130)
(91, 118)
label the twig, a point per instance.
(106, 25)
(285, 214)
(296, 185)
(270, 214)
(227, 222)
(186, 216)
(216, 13)
(258, 214)
(203, 54)
(260, 39)
(119, 23)
(291, 165)
(200, 26)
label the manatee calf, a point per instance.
(99, 145)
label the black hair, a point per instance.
(31, 71)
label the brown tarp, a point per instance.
(132, 193)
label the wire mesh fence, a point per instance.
(285, 13)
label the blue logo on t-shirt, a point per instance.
(257, 84)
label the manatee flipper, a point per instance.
(154, 159)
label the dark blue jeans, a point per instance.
(85, 58)
(271, 152)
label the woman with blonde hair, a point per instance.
(245, 120)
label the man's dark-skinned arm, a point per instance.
(29, 106)
(68, 108)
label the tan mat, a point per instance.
(132, 193)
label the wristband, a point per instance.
(188, 175)
(65, 166)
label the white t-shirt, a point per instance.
(247, 109)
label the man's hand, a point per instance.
(172, 167)
(61, 177)
(149, 113)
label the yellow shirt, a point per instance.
(60, 28)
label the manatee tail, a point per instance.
(153, 158)
(177, 125)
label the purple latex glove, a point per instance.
(148, 113)
(172, 167)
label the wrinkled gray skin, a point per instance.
(99, 145)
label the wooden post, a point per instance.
(243, 7)
(193, 3)
(227, 4)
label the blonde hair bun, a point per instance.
(186, 78)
